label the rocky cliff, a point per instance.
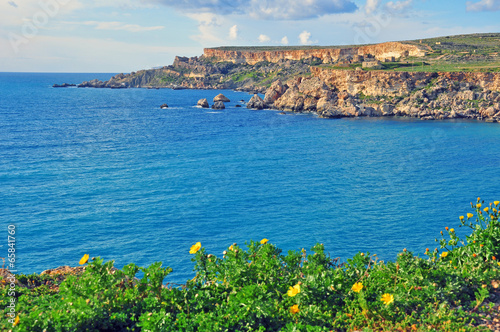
(428, 96)
(326, 55)
(397, 83)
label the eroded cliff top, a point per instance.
(472, 52)
(481, 42)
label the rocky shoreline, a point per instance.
(310, 85)
(439, 99)
(427, 96)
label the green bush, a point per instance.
(259, 288)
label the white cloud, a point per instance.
(284, 40)
(399, 6)
(264, 9)
(264, 39)
(39, 13)
(205, 18)
(208, 25)
(121, 26)
(122, 4)
(304, 38)
(483, 5)
(371, 6)
(233, 32)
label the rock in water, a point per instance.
(256, 102)
(164, 106)
(221, 97)
(218, 105)
(203, 103)
(64, 85)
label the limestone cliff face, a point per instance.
(392, 49)
(490, 81)
(327, 55)
(392, 83)
(428, 96)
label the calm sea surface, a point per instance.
(108, 173)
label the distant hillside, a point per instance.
(481, 42)
(473, 52)
(256, 68)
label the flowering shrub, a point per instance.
(259, 288)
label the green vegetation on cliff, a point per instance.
(450, 288)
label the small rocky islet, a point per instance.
(337, 82)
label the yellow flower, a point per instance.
(461, 217)
(231, 247)
(444, 254)
(452, 230)
(195, 247)
(264, 241)
(496, 202)
(16, 321)
(84, 259)
(478, 205)
(486, 209)
(357, 287)
(294, 309)
(387, 299)
(292, 291)
(494, 210)
(469, 215)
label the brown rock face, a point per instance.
(275, 91)
(391, 83)
(303, 95)
(221, 97)
(373, 83)
(327, 55)
(427, 96)
(256, 102)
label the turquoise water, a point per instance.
(106, 172)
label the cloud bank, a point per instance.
(264, 9)
(121, 26)
(483, 6)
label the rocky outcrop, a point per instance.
(324, 54)
(218, 105)
(256, 102)
(64, 85)
(396, 83)
(428, 96)
(163, 106)
(275, 91)
(302, 95)
(99, 84)
(203, 103)
(221, 97)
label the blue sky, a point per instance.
(128, 35)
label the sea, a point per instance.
(108, 173)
